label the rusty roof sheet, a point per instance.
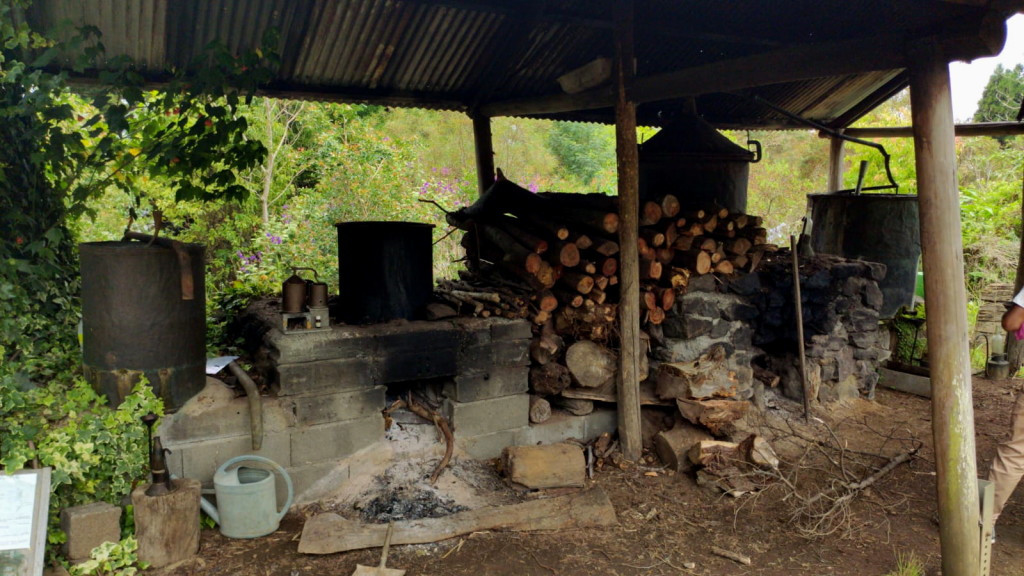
(465, 54)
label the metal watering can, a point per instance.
(247, 498)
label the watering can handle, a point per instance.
(278, 467)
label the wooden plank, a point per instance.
(609, 393)
(905, 382)
(329, 533)
(946, 300)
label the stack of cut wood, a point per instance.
(559, 254)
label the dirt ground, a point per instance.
(669, 525)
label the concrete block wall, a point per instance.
(329, 388)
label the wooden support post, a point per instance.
(946, 301)
(835, 164)
(484, 145)
(629, 208)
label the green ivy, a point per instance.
(96, 453)
(110, 558)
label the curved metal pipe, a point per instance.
(255, 404)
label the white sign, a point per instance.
(214, 365)
(17, 502)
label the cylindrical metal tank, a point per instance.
(698, 165)
(882, 228)
(136, 323)
(385, 270)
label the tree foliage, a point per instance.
(1001, 99)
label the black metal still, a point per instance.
(385, 270)
(135, 322)
(882, 228)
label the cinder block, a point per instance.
(505, 329)
(487, 356)
(335, 440)
(560, 427)
(335, 374)
(339, 406)
(88, 526)
(338, 342)
(496, 382)
(417, 354)
(490, 445)
(599, 421)
(201, 459)
(216, 412)
(487, 416)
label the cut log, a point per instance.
(565, 253)
(669, 206)
(671, 233)
(600, 283)
(714, 453)
(569, 297)
(666, 297)
(540, 410)
(546, 275)
(708, 244)
(648, 300)
(724, 267)
(650, 213)
(547, 301)
(718, 416)
(587, 267)
(673, 446)
(678, 278)
(696, 261)
(597, 295)
(656, 316)
(654, 238)
(684, 241)
(664, 255)
(522, 234)
(329, 533)
(740, 262)
(582, 241)
(577, 281)
(167, 526)
(547, 466)
(546, 346)
(737, 246)
(755, 234)
(710, 223)
(511, 250)
(574, 406)
(605, 247)
(609, 266)
(549, 379)
(590, 364)
(704, 377)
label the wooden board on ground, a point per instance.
(329, 533)
(607, 393)
(905, 382)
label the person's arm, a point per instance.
(1014, 317)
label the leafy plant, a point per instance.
(96, 452)
(110, 558)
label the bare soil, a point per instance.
(669, 525)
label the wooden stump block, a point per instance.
(167, 527)
(545, 466)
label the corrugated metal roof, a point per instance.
(460, 54)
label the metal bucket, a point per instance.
(385, 270)
(882, 228)
(247, 498)
(135, 322)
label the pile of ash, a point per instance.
(408, 504)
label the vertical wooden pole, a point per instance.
(798, 306)
(835, 164)
(484, 146)
(629, 208)
(946, 303)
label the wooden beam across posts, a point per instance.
(790, 64)
(965, 130)
(946, 301)
(629, 227)
(483, 143)
(835, 164)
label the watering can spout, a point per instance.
(247, 498)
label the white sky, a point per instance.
(968, 80)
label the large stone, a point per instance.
(688, 326)
(488, 416)
(491, 383)
(487, 356)
(419, 354)
(746, 284)
(201, 459)
(873, 297)
(87, 526)
(339, 342)
(503, 329)
(338, 406)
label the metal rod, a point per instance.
(798, 307)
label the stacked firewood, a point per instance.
(557, 254)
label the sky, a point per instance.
(968, 80)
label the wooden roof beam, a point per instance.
(774, 67)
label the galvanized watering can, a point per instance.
(247, 498)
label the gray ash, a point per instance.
(408, 504)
